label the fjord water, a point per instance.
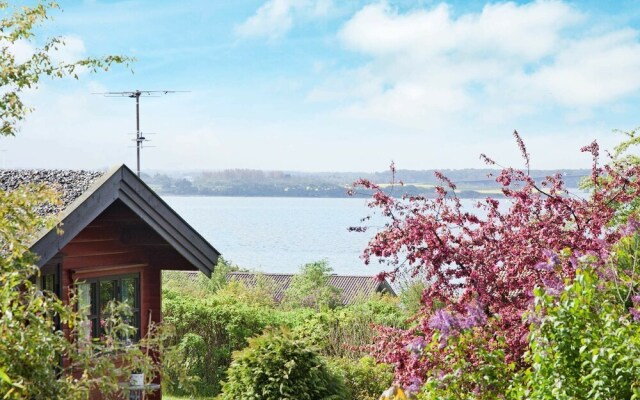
(275, 234)
(279, 234)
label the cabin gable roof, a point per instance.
(120, 183)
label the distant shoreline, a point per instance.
(478, 196)
(462, 195)
(471, 184)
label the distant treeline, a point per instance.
(246, 182)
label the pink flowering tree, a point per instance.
(480, 267)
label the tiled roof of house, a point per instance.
(70, 184)
(351, 287)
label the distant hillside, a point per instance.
(245, 182)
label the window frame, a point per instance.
(95, 314)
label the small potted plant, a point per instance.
(137, 378)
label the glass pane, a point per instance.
(107, 294)
(94, 328)
(130, 292)
(84, 297)
(134, 321)
(48, 282)
(88, 329)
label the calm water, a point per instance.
(274, 234)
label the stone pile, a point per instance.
(69, 184)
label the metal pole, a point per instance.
(137, 94)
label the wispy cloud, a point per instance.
(277, 17)
(508, 60)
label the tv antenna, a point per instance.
(136, 94)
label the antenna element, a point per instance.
(136, 94)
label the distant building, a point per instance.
(351, 287)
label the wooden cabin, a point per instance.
(117, 236)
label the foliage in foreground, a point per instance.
(37, 360)
(32, 346)
(208, 329)
(586, 344)
(480, 268)
(364, 379)
(275, 366)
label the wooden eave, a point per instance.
(122, 184)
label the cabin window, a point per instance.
(48, 279)
(49, 282)
(94, 295)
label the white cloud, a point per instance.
(70, 49)
(593, 71)
(276, 17)
(529, 32)
(502, 63)
(21, 50)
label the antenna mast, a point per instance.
(136, 94)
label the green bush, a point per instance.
(311, 288)
(207, 331)
(199, 285)
(586, 345)
(363, 378)
(482, 375)
(381, 309)
(347, 332)
(261, 295)
(410, 296)
(277, 366)
(210, 324)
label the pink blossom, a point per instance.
(491, 264)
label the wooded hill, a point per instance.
(246, 182)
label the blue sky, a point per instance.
(328, 85)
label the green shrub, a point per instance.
(347, 332)
(210, 325)
(199, 285)
(410, 296)
(261, 295)
(482, 375)
(207, 331)
(363, 378)
(381, 309)
(311, 288)
(277, 366)
(586, 345)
